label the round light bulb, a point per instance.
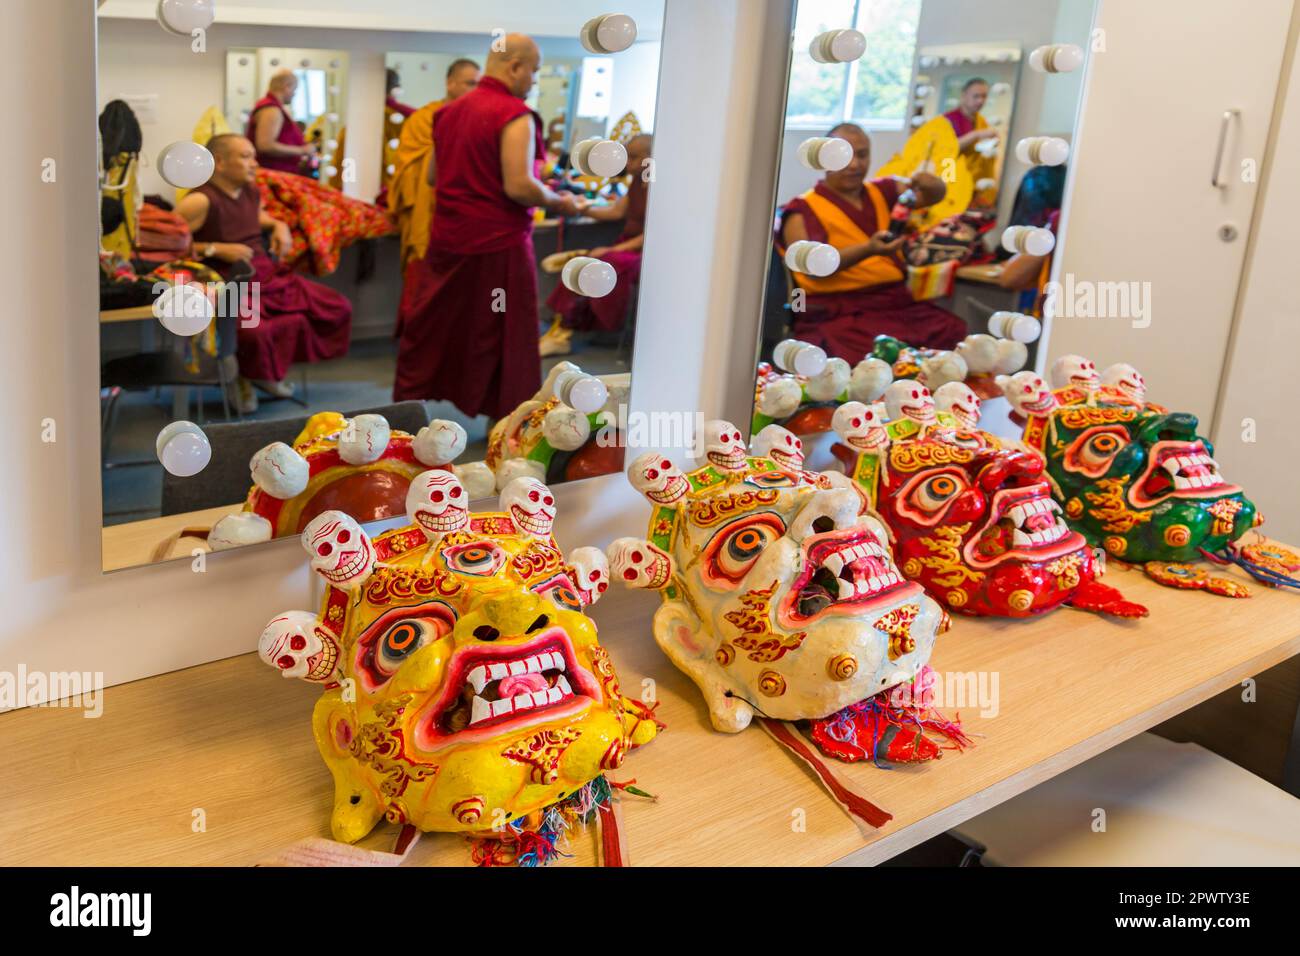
(611, 33)
(593, 278)
(600, 157)
(802, 358)
(392, 143)
(183, 449)
(586, 393)
(183, 309)
(183, 17)
(838, 46)
(185, 165)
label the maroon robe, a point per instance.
(608, 312)
(467, 324)
(845, 324)
(297, 320)
(290, 135)
(961, 123)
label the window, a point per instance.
(872, 91)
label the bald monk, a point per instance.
(298, 320)
(467, 324)
(574, 312)
(967, 122)
(279, 142)
(868, 295)
(410, 196)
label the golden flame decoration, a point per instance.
(842, 666)
(706, 512)
(945, 549)
(1111, 509)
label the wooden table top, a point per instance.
(158, 539)
(135, 313)
(234, 739)
(987, 273)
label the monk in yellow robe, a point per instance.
(972, 128)
(868, 294)
(410, 197)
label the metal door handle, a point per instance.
(1215, 181)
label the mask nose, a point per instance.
(1010, 471)
(829, 510)
(512, 613)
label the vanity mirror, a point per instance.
(920, 198)
(320, 277)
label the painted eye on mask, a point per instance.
(482, 558)
(1093, 451)
(391, 640)
(733, 551)
(936, 492)
(561, 592)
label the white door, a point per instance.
(1177, 108)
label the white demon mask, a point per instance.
(438, 503)
(565, 428)
(439, 442)
(781, 397)
(591, 573)
(941, 368)
(979, 352)
(1127, 379)
(957, 399)
(1027, 393)
(724, 447)
(530, 505)
(341, 552)
(237, 530)
(280, 471)
(831, 383)
(364, 439)
(869, 380)
(293, 643)
(909, 399)
(657, 478)
(1074, 371)
(861, 426)
(781, 445)
(639, 564)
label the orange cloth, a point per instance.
(410, 197)
(841, 232)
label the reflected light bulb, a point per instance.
(185, 165)
(183, 449)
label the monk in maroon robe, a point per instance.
(467, 325)
(291, 318)
(279, 142)
(575, 312)
(868, 295)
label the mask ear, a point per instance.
(679, 633)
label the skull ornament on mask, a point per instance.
(1074, 371)
(776, 591)
(1135, 478)
(467, 688)
(959, 401)
(341, 552)
(364, 439)
(531, 506)
(975, 524)
(909, 399)
(724, 447)
(1027, 393)
(1127, 380)
(440, 442)
(781, 445)
(862, 426)
(657, 478)
(296, 644)
(437, 502)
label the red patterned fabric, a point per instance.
(323, 221)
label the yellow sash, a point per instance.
(841, 231)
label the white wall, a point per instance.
(61, 612)
(636, 84)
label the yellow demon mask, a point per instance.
(465, 689)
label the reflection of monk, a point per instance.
(972, 128)
(410, 197)
(868, 295)
(467, 324)
(608, 313)
(279, 141)
(299, 320)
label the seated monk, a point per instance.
(576, 312)
(868, 295)
(294, 319)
